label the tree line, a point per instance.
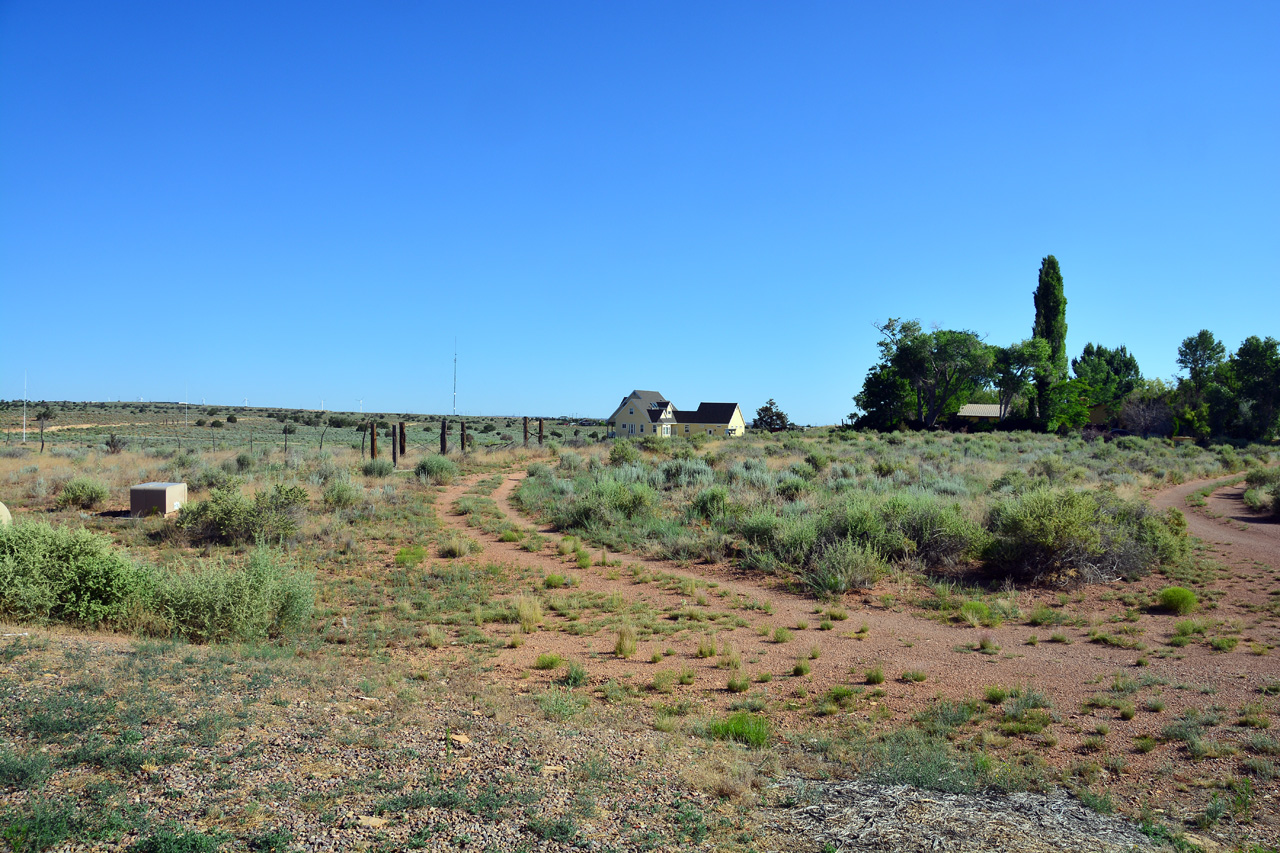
(922, 378)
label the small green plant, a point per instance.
(554, 582)
(781, 635)
(742, 727)
(875, 675)
(913, 676)
(801, 668)
(410, 556)
(83, 493)
(574, 676)
(706, 646)
(341, 495)
(1179, 600)
(738, 683)
(548, 660)
(995, 695)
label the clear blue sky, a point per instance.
(293, 202)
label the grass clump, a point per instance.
(341, 495)
(231, 518)
(436, 470)
(377, 468)
(743, 727)
(844, 566)
(1179, 600)
(83, 493)
(549, 660)
(875, 675)
(625, 647)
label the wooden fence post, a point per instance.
(395, 446)
(444, 436)
(540, 431)
(373, 439)
(526, 432)
(404, 444)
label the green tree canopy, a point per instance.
(1257, 371)
(770, 417)
(939, 366)
(1200, 355)
(1013, 368)
(1110, 373)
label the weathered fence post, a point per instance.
(395, 446)
(526, 432)
(404, 443)
(540, 431)
(373, 439)
(444, 436)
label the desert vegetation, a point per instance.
(828, 604)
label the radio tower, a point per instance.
(455, 377)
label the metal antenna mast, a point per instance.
(24, 407)
(455, 377)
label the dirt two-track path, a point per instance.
(1240, 534)
(899, 637)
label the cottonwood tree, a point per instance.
(1013, 368)
(1257, 373)
(1050, 326)
(770, 417)
(1200, 355)
(939, 366)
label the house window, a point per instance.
(642, 427)
(686, 427)
(631, 411)
(631, 428)
(666, 430)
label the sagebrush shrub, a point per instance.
(844, 566)
(83, 493)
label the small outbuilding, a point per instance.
(156, 498)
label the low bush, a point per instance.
(74, 576)
(216, 602)
(83, 493)
(1069, 537)
(1178, 600)
(64, 574)
(230, 517)
(436, 470)
(844, 566)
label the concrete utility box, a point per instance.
(156, 498)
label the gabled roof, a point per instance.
(979, 410)
(708, 413)
(641, 400)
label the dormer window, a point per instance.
(631, 411)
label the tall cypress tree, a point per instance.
(1051, 327)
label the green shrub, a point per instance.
(83, 493)
(377, 468)
(340, 495)
(437, 470)
(843, 566)
(64, 574)
(1178, 600)
(1081, 537)
(230, 517)
(217, 602)
(623, 452)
